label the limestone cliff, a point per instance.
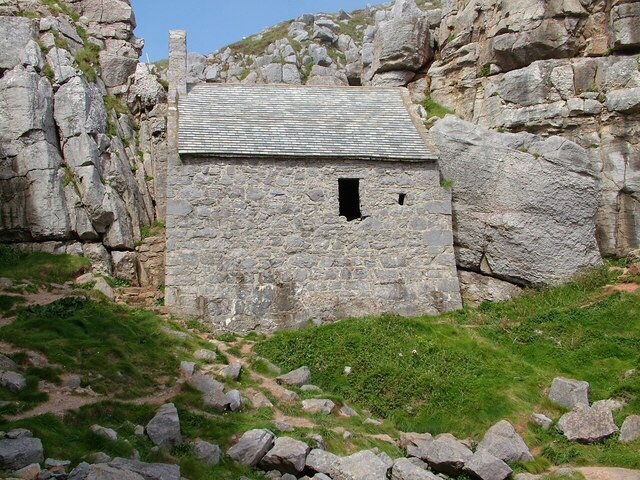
(75, 169)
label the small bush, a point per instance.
(88, 60)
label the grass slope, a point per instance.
(39, 268)
(462, 372)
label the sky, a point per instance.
(212, 24)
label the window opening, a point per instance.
(349, 198)
(401, 198)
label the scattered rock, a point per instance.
(415, 444)
(103, 287)
(569, 393)
(503, 442)
(19, 452)
(315, 405)
(12, 381)
(287, 455)
(164, 427)
(542, 420)
(59, 466)
(258, 399)
(235, 400)
(283, 426)
(287, 396)
(71, 381)
(321, 461)
(297, 378)
(317, 441)
(187, 368)
(148, 471)
(311, 388)
(630, 430)
(204, 384)
(485, 466)
(372, 421)
(7, 365)
(232, 371)
(103, 432)
(346, 411)
(587, 424)
(30, 472)
(409, 469)
(610, 404)
(205, 355)
(252, 447)
(19, 433)
(447, 455)
(138, 431)
(206, 452)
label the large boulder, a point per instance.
(508, 226)
(447, 455)
(286, 456)
(15, 34)
(298, 377)
(252, 447)
(502, 441)
(485, 466)
(586, 424)
(402, 42)
(630, 430)
(20, 452)
(164, 427)
(364, 465)
(321, 461)
(569, 393)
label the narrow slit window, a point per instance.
(401, 198)
(349, 197)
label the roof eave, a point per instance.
(232, 156)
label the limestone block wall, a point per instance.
(259, 244)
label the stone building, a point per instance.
(289, 204)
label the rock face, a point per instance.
(164, 428)
(252, 447)
(508, 226)
(586, 424)
(503, 442)
(569, 393)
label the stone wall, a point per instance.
(259, 244)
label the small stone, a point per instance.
(7, 365)
(138, 431)
(187, 368)
(542, 420)
(19, 433)
(100, 457)
(630, 430)
(586, 424)
(447, 455)
(568, 393)
(51, 463)
(347, 371)
(310, 388)
(287, 455)
(206, 452)
(283, 426)
(71, 381)
(503, 442)
(315, 405)
(232, 371)
(103, 432)
(12, 381)
(30, 472)
(204, 383)
(235, 400)
(346, 411)
(317, 441)
(415, 444)
(205, 355)
(288, 396)
(298, 377)
(103, 287)
(164, 427)
(372, 421)
(347, 435)
(252, 447)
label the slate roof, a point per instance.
(231, 120)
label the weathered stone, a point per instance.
(396, 78)
(20, 452)
(503, 442)
(630, 430)
(164, 427)
(624, 20)
(205, 384)
(7, 365)
(624, 101)
(321, 461)
(12, 381)
(252, 447)
(586, 424)
(406, 469)
(447, 455)
(15, 34)
(187, 368)
(62, 64)
(205, 355)
(104, 432)
(569, 393)
(556, 211)
(103, 287)
(542, 420)
(287, 456)
(125, 267)
(206, 452)
(347, 411)
(297, 377)
(235, 400)
(232, 371)
(30, 472)
(148, 471)
(18, 433)
(485, 466)
(315, 405)
(477, 288)
(415, 444)
(610, 404)
(364, 465)
(79, 108)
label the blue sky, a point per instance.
(212, 24)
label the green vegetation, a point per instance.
(88, 60)
(156, 228)
(461, 372)
(56, 7)
(446, 183)
(484, 71)
(433, 108)
(113, 104)
(257, 44)
(39, 267)
(358, 18)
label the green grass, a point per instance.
(434, 109)
(88, 60)
(464, 371)
(40, 267)
(116, 350)
(156, 228)
(256, 44)
(9, 302)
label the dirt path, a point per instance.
(609, 473)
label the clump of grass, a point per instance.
(434, 109)
(156, 228)
(40, 267)
(446, 183)
(56, 7)
(8, 302)
(88, 60)
(257, 44)
(113, 104)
